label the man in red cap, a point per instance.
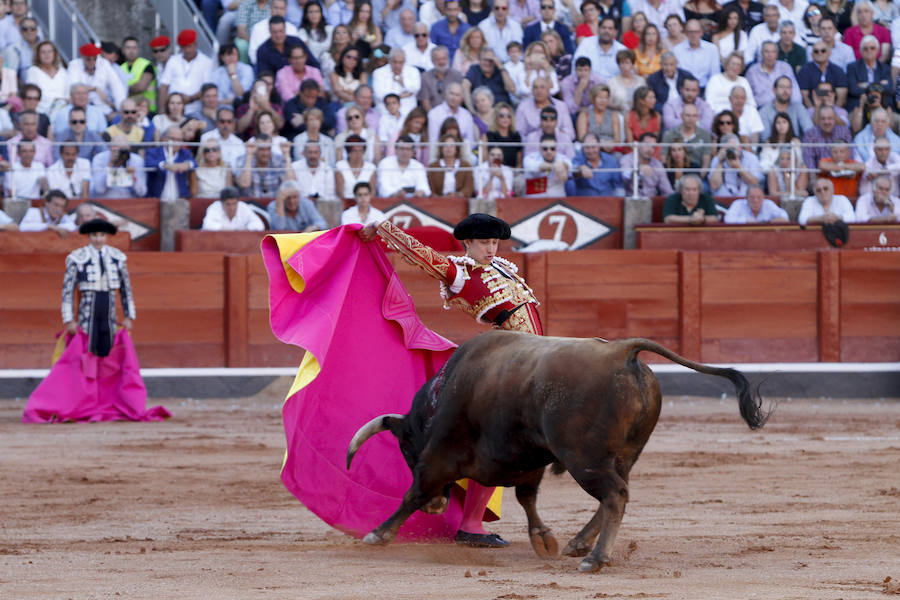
(187, 72)
(161, 47)
(104, 84)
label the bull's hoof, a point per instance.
(544, 543)
(436, 506)
(591, 564)
(575, 549)
(373, 539)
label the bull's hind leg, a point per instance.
(542, 539)
(607, 486)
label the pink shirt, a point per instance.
(288, 84)
(854, 35)
(43, 149)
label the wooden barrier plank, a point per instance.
(259, 332)
(751, 349)
(870, 348)
(274, 355)
(152, 355)
(161, 290)
(864, 285)
(776, 259)
(182, 325)
(37, 242)
(32, 290)
(829, 305)
(760, 286)
(168, 262)
(33, 263)
(689, 304)
(236, 311)
(234, 242)
(612, 275)
(28, 325)
(647, 290)
(871, 319)
(757, 320)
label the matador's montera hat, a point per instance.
(97, 226)
(479, 226)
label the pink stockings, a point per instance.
(477, 497)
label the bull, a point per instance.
(508, 404)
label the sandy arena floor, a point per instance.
(809, 507)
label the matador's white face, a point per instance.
(98, 239)
(482, 251)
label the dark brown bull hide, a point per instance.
(511, 403)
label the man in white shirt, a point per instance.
(187, 72)
(70, 174)
(229, 213)
(547, 165)
(260, 31)
(106, 88)
(401, 34)
(696, 56)
(883, 162)
(389, 124)
(418, 51)
(401, 175)
(28, 177)
(879, 205)
(450, 107)
(399, 78)
(79, 94)
(499, 30)
(749, 122)
(767, 31)
(755, 209)
(52, 216)
(313, 176)
(602, 49)
(232, 146)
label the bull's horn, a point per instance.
(374, 426)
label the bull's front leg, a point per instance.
(415, 498)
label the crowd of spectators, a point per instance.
(340, 100)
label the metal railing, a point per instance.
(185, 14)
(64, 25)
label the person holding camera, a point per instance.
(546, 170)
(493, 179)
(733, 170)
(876, 98)
(863, 74)
(118, 172)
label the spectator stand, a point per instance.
(763, 237)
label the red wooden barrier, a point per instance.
(658, 236)
(140, 217)
(26, 242)
(210, 309)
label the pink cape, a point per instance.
(85, 387)
(367, 354)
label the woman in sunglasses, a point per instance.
(212, 174)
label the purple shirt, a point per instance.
(763, 84)
(655, 185)
(672, 113)
(532, 8)
(568, 85)
(528, 117)
(813, 154)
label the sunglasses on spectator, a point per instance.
(28, 28)
(546, 7)
(158, 50)
(870, 47)
(548, 148)
(504, 116)
(354, 117)
(77, 122)
(548, 117)
(822, 189)
(129, 112)
(208, 150)
(819, 50)
(498, 8)
(420, 35)
(724, 122)
(226, 120)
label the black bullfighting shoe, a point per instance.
(480, 540)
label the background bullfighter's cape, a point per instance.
(367, 354)
(82, 386)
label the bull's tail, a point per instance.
(749, 402)
(389, 422)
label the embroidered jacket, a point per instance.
(83, 268)
(492, 293)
